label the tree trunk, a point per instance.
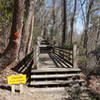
(63, 22)
(29, 44)
(26, 31)
(86, 30)
(72, 22)
(53, 19)
(11, 52)
(97, 37)
(87, 25)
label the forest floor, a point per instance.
(95, 83)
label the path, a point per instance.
(51, 81)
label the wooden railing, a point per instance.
(36, 56)
(67, 54)
(25, 65)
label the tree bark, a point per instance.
(53, 19)
(87, 25)
(85, 45)
(72, 22)
(26, 31)
(11, 52)
(64, 22)
(29, 44)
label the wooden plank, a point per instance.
(56, 82)
(65, 56)
(68, 62)
(58, 61)
(58, 70)
(55, 61)
(63, 61)
(48, 90)
(70, 52)
(56, 76)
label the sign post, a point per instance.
(17, 79)
(13, 88)
(21, 88)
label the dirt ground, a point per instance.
(30, 94)
(27, 95)
(5, 94)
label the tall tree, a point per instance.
(30, 39)
(27, 29)
(72, 21)
(63, 22)
(90, 5)
(53, 18)
(11, 52)
(39, 10)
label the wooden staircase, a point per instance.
(56, 77)
(55, 72)
(55, 82)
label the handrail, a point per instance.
(67, 48)
(25, 65)
(64, 50)
(68, 54)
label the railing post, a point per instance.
(37, 54)
(75, 56)
(35, 62)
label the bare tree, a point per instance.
(87, 24)
(53, 18)
(73, 21)
(64, 22)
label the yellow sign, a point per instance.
(17, 79)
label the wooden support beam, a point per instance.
(36, 54)
(35, 62)
(75, 56)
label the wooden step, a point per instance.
(55, 83)
(55, 76)
(56, 70)
(48, 90)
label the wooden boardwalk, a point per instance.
(53, 77)
(45, 62)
